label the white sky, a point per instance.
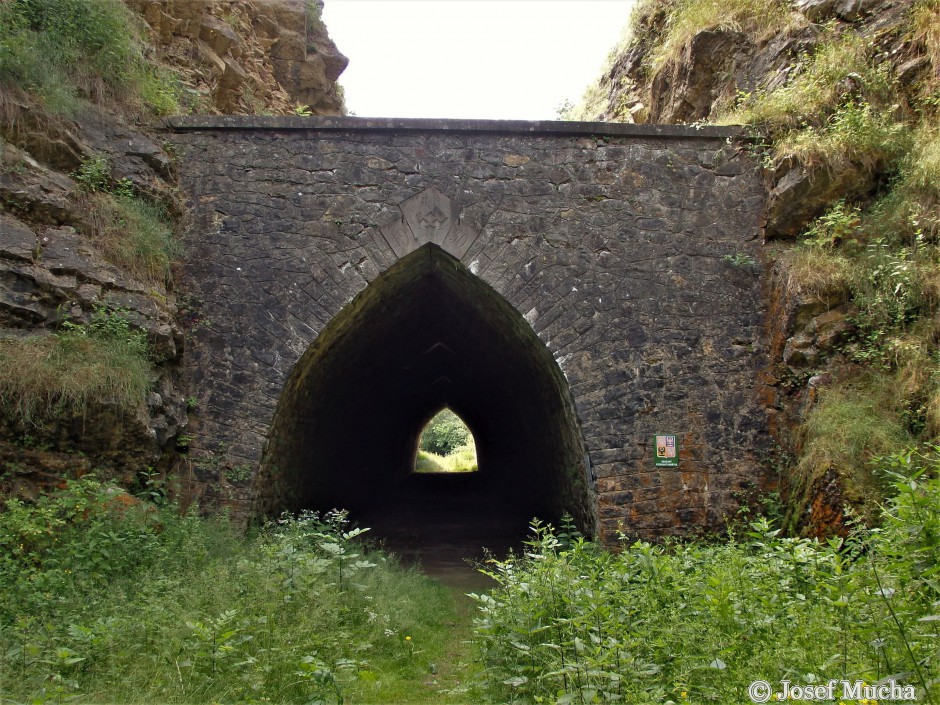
(500, 59)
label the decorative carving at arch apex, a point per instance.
(429, 216)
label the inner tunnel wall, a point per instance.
(633, 254)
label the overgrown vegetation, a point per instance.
(686, 18)
(130, 231)
(693, 623)
(446, 445)
(444, 433)
(854, 422)
(107, 599)
(66, 51)
(103, 361)
(843, 112)
(462, 459)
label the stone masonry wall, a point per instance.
(631, 250)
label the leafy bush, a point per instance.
(83, 536)
(104, 361)
(444, 433)
(570, 623)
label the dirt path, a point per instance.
(447, 528)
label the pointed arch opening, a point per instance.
(426, 335)
(446, 445)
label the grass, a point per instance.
(123, 602)
(858, 135)
(839, 111)
(921, 173)
(854, 422)
(134, 234)
(925, 27)
(67, 51)
(462, 459)
(818, 272)
(130, 231)
(105, 598)
(815, 88)
(759, 19)
(102, 362)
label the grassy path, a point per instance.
(440, 671)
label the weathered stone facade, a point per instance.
(631, 252)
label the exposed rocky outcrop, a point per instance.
(720, 64)
(249, 56)
(52, 273)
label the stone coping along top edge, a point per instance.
(198, 123)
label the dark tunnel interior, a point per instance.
(425, 335)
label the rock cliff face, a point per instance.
(61, 177)
(52, 272)
(249, 57)
(676, 67)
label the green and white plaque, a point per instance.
(666, 448)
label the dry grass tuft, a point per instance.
(133, 234)
(817, 87)
(854, 422)
(857, 135)
(759, 19)
(925, 26)
(818, 272)
(104, 362)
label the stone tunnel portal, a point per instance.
(425, 335)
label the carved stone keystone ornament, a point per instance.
(429, 216)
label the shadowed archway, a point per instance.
(427, 334)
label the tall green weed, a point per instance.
(692, 623)
(109, 600)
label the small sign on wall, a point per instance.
(666, 448)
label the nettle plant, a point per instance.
(692, 622)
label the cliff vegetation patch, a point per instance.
(66, 51)
(684, 19)
(104, 361)
(131, 231)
